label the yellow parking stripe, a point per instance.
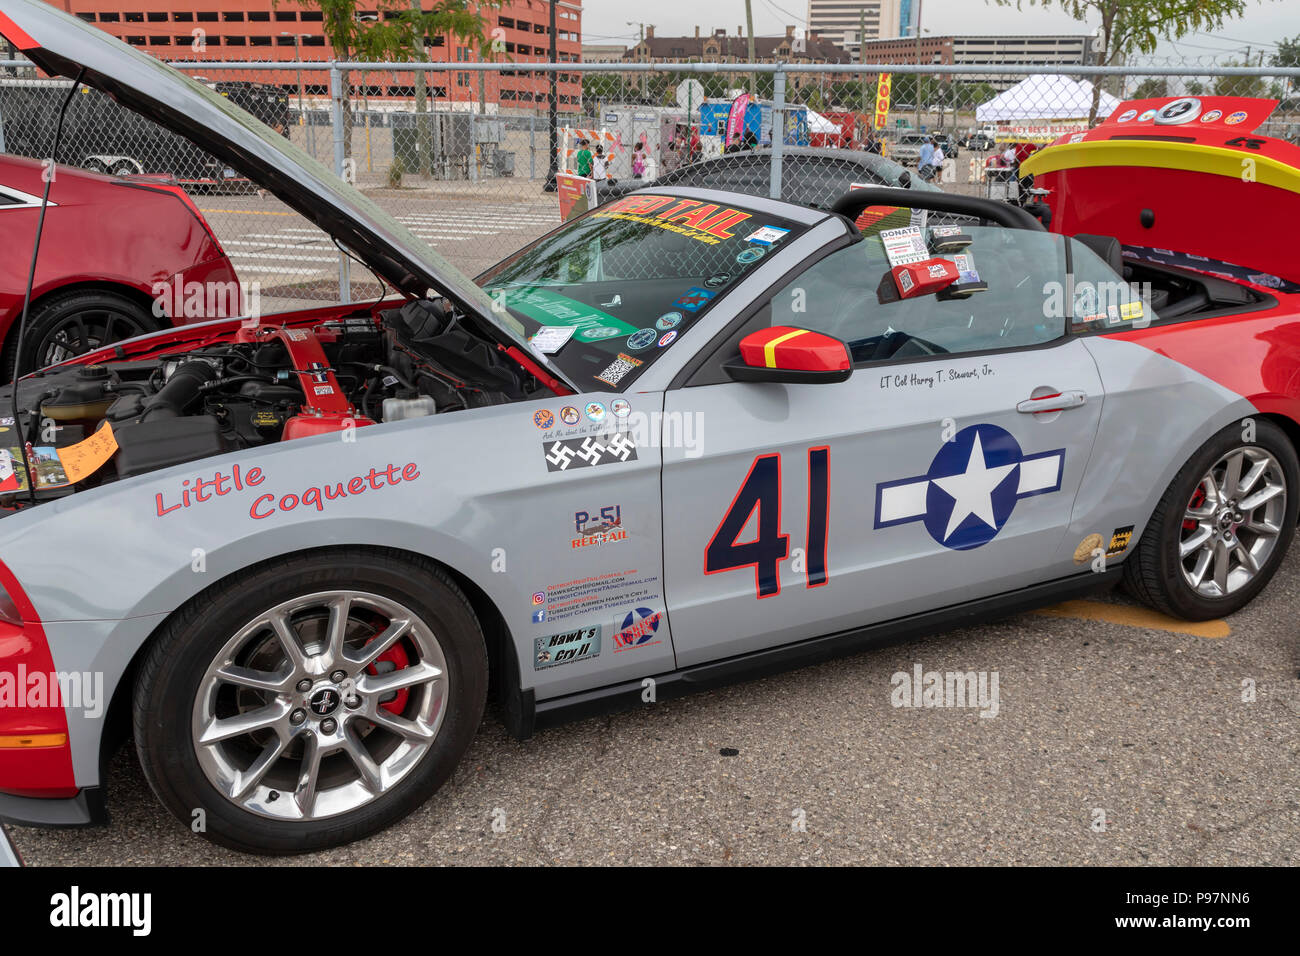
(249, 212)
(769, 350)
(1128, 616)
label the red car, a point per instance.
(113, 255)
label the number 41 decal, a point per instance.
(761, 490)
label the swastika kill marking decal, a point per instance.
(589, 451)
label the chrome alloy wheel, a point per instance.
(320, 705)
(1232, 521)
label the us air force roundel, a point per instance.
(971, 488)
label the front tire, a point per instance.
(1222, 527)
(311, 701)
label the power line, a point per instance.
(794, 16)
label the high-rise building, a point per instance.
(261, 30)
(842, 20)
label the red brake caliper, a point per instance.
(399, 659)
(1198, 499)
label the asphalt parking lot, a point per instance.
(1120, 738)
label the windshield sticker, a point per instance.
(904, 246)
(965, 263)
(752, 254)
(549, 339)
(618, 369)
(693, 299)
(551, 309)
(601, 332)
(667, 339)
(669, 320)
(642, 339)
(767, 235)
(693, 218)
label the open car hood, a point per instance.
(63, 45)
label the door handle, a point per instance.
(1053, 403)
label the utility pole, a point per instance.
(862, 58)
(423, 141)
(749, 28)
(552, 99)
(918, 63)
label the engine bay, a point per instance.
(264, 383)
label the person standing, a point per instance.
(936, 161)
(598, 165)
(926, 158)
(583, 159)
(638, 161)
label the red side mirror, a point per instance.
(786, 354)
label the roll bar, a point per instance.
(1013, 217)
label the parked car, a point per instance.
(107, 242)
(906, 150)
(881, 461)
(809, 176)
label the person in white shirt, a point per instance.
(937, 162)
(599, 165)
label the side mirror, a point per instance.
(790, 355)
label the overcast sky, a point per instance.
(605, 21)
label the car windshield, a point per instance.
(606, 295)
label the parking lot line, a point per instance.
(250, 212)
(1129, 616)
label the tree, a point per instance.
(1151, 87)
(1287, 54)
(1194, 87)
(396, 34)
(1239, 85)
(1138, 25)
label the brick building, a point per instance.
(253, 30)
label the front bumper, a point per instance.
(88, 807)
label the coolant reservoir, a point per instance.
(397, 409)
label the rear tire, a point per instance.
(299, 746)
(1222, 527)
(73, 323)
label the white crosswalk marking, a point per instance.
(299, 253)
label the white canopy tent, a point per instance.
(820, 124)
(1044, 96)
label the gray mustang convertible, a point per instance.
(684, 439)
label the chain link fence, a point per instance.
(465, 156)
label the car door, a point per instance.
(943, 470)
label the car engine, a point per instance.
(266, 383)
